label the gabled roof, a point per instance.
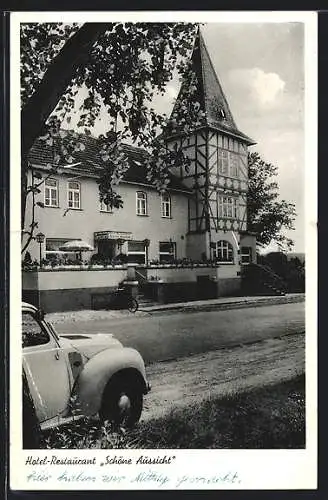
(90, 164)
(209, 93)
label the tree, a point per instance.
(120, 66)
(267, 215)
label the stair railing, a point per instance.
(265, 272)
(140, 277)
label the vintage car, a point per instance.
(70, 376)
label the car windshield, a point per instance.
(53, 331)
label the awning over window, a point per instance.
(112, 235)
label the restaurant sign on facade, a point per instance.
(112, 235)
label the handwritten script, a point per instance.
(146, 478)
(143, 471)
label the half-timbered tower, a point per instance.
(218, 172)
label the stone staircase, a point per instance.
(261, 280)
(144, 301)
(143, 297)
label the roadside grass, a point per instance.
(267, 418)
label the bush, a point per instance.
(28, 264)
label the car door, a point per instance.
(46, 369)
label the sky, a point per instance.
(261, 70)
(260, 67)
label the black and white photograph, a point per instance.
(163, 245)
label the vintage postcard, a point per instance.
(163, 250)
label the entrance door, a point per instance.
(106, 249)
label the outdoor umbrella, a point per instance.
(76, 246)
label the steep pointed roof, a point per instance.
(209, 93)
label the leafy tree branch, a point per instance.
(120, 66)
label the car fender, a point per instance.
(89, 387)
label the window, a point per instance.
(234, 165)
(228, 163)
(223, 162)
(228, 207)
(105, 207)
(167, 251)
(141, 203)
(166, 205)
(74, 195)
(223, 251)
(53, 251)
(33, 333)
(246, 255)
(136, 252)
(51, 193)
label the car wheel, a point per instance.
(122, 402)
(31, 426)
(133, 305)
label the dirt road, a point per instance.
(216, 373)
(172, 336)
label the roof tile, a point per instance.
(42, 155)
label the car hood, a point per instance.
(91, 344)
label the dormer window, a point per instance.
(141, 202)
